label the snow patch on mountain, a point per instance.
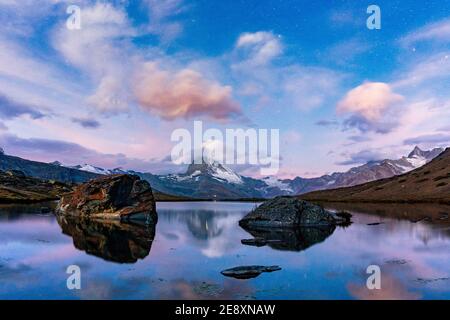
(224, 173)
(416, 162)
(90, 168)
(94, 169)
(277, 183)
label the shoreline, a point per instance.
(363, 201)
(406, 201)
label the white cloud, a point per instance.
(99, 49)
(260, 47)
(429, 68)
(292, 86)
(346, 51)
(306, 88)
(27, 77)
(93, 46)
(111, 95)
(280, 85)
(162, 14)
(437, 31)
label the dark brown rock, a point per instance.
(121, 197)
(291, 212)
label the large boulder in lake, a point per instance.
(121, 197)
(290, 212)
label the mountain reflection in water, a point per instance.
(203, 224)
(194, 241)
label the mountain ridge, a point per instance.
(429, 183)
(213, 180)
(43, 170)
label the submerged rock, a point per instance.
(248, 272)
(291, 212)
(257, 242)
(121, 197)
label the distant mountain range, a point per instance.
(212, 180)
(429, 183)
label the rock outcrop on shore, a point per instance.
(15, 187)
(291, 212)
(119, 197)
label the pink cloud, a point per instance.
(369, 100)
(183, 94)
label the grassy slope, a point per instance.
(430, 183)
(18, 189)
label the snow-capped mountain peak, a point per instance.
(215, 170)
(95, 169)
(418, 157)
(91, 168)
(417, 152)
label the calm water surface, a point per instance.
(182, 257)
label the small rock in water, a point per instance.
(375, 223)
(248, 272)
(426, 281)
(258, 242)
(396, 261)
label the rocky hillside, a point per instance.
(429, 183)
(15, 187)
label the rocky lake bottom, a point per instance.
(182, 257)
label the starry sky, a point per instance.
(111, 93)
